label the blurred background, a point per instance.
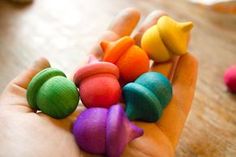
(64, 30)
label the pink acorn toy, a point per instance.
(230, 78)
(98, 84)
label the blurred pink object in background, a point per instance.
(230, 78)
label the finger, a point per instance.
(15, 92)
(158, 144)
(151, 20)
(184, 81)
(24, 78)
(175, 114)
(125, 22)
(108, 36)
(67, 122)
(122, 25)
(167, 68)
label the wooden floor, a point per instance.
(64, 31)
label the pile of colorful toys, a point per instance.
(115, 90)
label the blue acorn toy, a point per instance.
(147, 97)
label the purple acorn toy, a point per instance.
(104, 131)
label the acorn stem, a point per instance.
(186, 26)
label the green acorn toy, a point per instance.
(52, 93)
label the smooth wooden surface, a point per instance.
(63, 31)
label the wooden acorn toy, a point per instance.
(104, 131)
(230, 79)
(147, 97)
(52, 93)
(98, 84)
(166, 39)
(131, 60)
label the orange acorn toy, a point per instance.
(98, 84)
(131, 60)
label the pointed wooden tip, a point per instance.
(134, 132)
(104, 45)
(186, 26)
(92, 59)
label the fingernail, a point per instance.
(41, 63)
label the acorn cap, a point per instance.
(95, 68)
(147, 96)
(114, 50)
(141, 103)
(158, 84)
(36, 83)
(153, 45)
(52, 93)
(175, 35)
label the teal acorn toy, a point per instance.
(147, 96)
(52, 93)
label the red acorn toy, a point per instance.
(98, 84)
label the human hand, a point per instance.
(26, 133)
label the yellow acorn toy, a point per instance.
(166, 39)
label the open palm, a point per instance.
(26, 133)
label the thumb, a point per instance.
(15, 91)
(24, 78)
